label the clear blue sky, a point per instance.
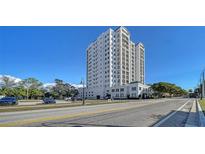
(173, 54)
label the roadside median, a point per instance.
(52, 106)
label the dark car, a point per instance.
(49, 101)
(8, 101)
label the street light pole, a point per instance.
(203, 86)
(27, 93)
(83, 93)
(82, 82)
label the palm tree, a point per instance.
(7, 82)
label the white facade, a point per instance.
(113, 60)
(140, 63)
(132, 90)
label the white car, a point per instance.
(2, 96)
(68, 99)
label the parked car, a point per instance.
(8, 101)
(76, 99)
(79, 99)
(49, 101)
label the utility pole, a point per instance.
(27, 93)
(82, 82)
(200, 88)
(203, 86)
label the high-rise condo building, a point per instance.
(113, 60)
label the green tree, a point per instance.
(190, 91)
(62, 89)
(20, 92)
(31, 84)
(7, 91)
(163, 88)
(36, 93)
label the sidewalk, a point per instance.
(193, 118)
(196, 116)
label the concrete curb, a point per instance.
(201, 115)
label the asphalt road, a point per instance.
(132, 114)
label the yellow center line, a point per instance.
(44, 119)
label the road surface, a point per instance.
(139, 113)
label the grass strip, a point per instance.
(202, 103)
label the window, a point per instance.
(140, 88)
(122, 89)
(117, 90)
(113, 90)
(133, 95)
(134, 88)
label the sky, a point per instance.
(173, 54)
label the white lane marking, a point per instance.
(169, 116)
